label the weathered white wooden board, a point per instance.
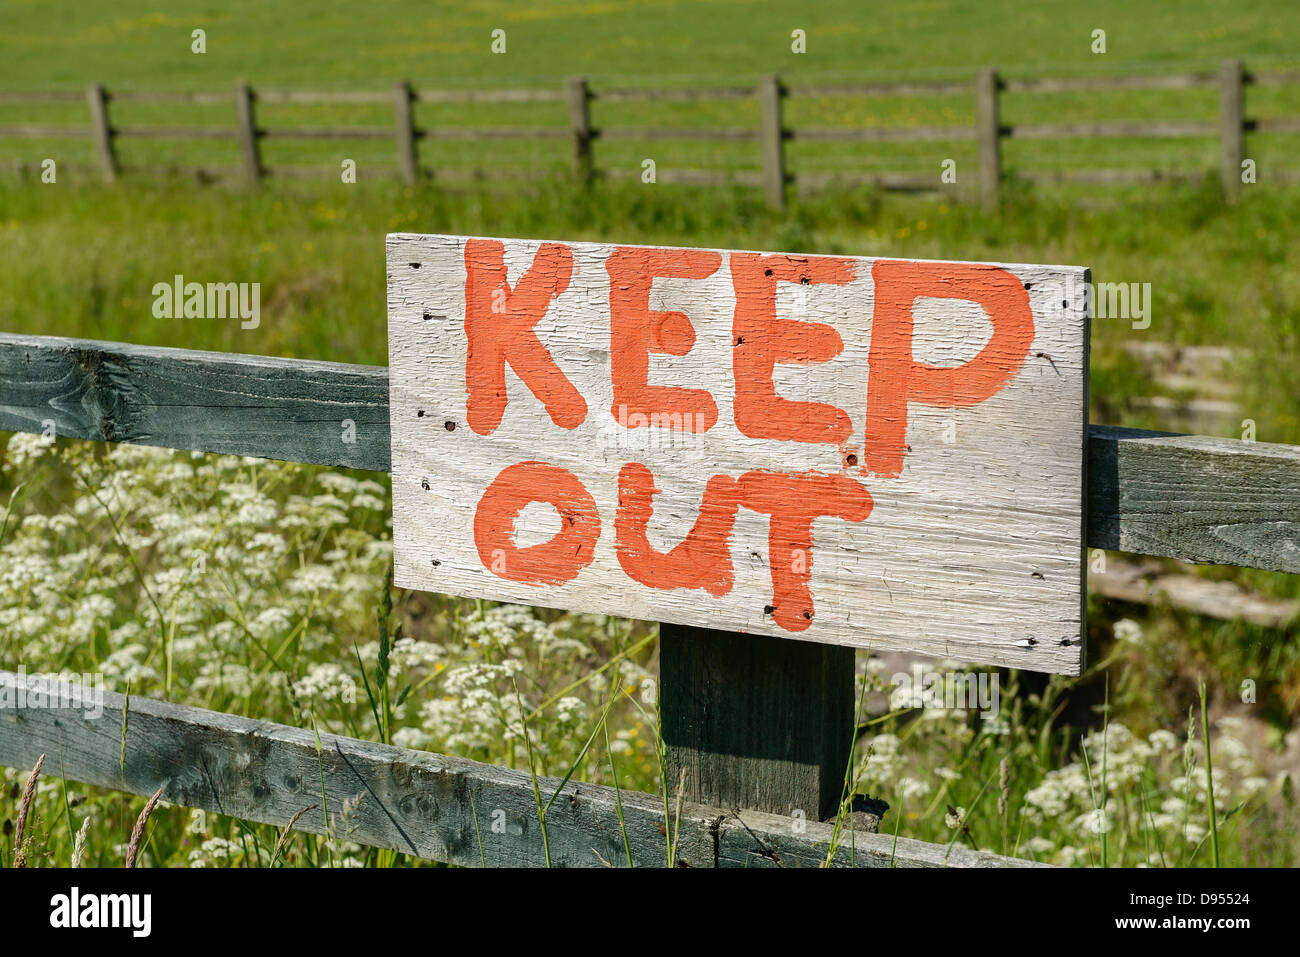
(947, 524)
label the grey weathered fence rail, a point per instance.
(1192, 497)
(428, 805)
(771, 134)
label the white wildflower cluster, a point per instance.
(1120, 787)
(196, 578)
(251, 587)
(1128, 630)
(27, 448)
(1125, 782)
(214, 852)
(328, 682)
(884, 758)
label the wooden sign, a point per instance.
(880, 453)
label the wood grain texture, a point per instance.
(759, 839)
(973, 553)
(756, 722)
(431, 806)
(1200, 498)
(289, 409)
(1194, 497)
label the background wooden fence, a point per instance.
(1193, 497)
(770, 135)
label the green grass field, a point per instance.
(78, 258)
(318, 46)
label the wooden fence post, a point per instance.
(1232, 127)
(408, 163)
(989, 133)
(247, 128)
(773, 138)
(580, 122)
(755, 722)
(97, 99)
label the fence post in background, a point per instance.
(773, 138)
(247, 129)
(97, 99)
(580, 122)
(408, 163)
(1232, 127)
(988, 129)
(753, 722)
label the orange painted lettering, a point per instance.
(548, 563)
(636, 331)
(793, 501)
(895, 378)
(701, 560)
(760, 340)
(500, 323)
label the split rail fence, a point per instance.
(754, 726)
(771, 134)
